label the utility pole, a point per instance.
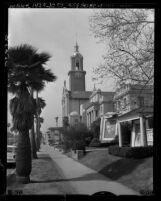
(56, 119)
(38, 124)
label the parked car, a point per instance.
(3, 177)
(11, 154)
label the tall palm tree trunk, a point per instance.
(32, 137)
(37, 125)
(26, 71)
(23, 158)
(37, 133)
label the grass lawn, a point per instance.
(134, 173)
(45, 179)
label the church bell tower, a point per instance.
(76, 74)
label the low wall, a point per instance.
(77, 154)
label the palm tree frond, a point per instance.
(48, 76)
(25, 72)
(41, 102)
(37, 86)
(22, 54)
(43, 57)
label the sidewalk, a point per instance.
(55, 173)
(45, 179)
(83, 179)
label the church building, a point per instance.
(77, 94)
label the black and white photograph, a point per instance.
(80, 98)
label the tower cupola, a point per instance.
(77, 74)
(76, 47)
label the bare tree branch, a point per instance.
(129, 36)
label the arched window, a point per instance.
(77, 65)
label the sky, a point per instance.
(55, 31)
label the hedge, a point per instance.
(131, 152)
(95, 143)
(79, 145)
(110, 143)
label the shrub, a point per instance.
(95, 143)
(65, 122)
(115, 141)
(78, 136)
(131, 152)
(88, 140)
(67, 144)
(95, 127)
(79, 145)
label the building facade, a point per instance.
(130, 97)
(132, 117)
(127, 112)
(99, 103)
(77, 94)
(54, 135)
(134, 106)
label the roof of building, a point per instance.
(74, 113)
(77, 54)
(80, 94)
(139, 90)
(76, 51)
(89, 104)
(139, 86)
(104, 93)
(107, 92)
(110, 114)
(143, 110)
(55, 128)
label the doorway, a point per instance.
(126, 129)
